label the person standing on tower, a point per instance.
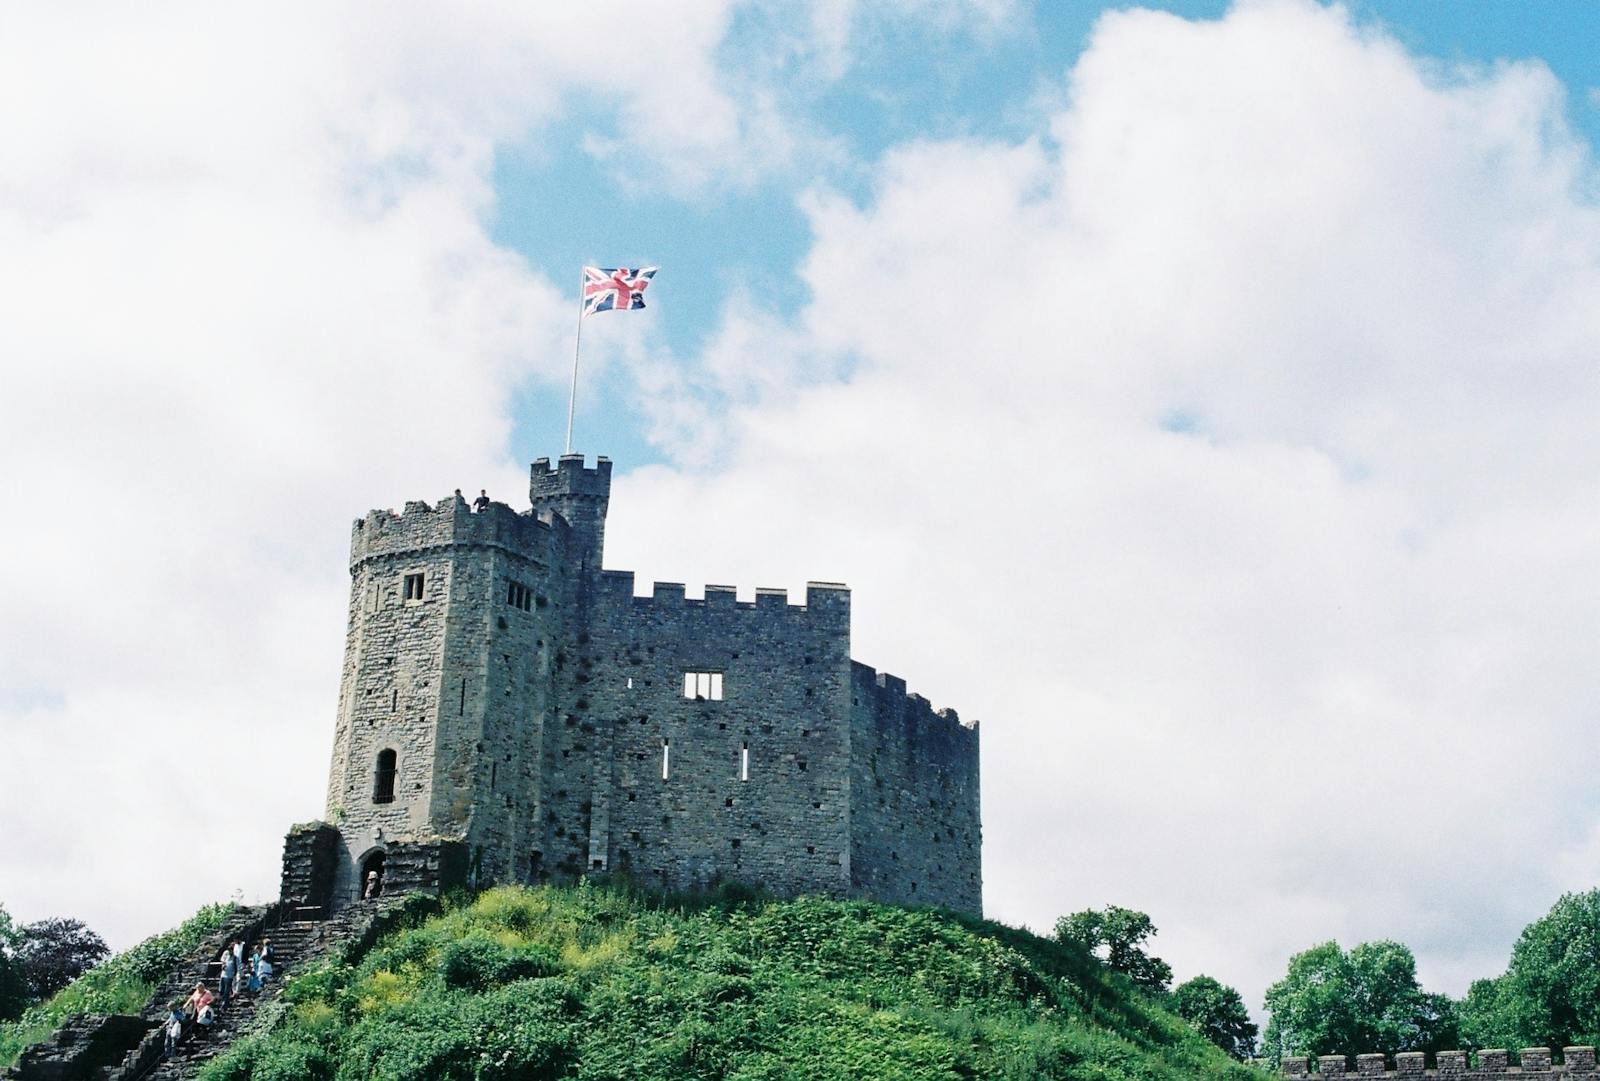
(482, 502)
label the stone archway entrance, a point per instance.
(369, 884)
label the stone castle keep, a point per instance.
(511, 712)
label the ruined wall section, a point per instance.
(419, 680)
(915, 826)
(784, 671)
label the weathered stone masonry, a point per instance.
(508, 709)
(1535, 1065)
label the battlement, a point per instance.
(1492, 1065)
(450, 522)
(886, 691)
(830, 598)
(505, 694)
(569, 477)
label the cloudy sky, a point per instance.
(1204, 397)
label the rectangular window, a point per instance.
(744, 762)
(519, 596)
(666, 758)
(706, 686)
(413, 590)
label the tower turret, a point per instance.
(579, 496)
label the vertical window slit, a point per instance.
(666, 758)
(461, 710)
(744, 762)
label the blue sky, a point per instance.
(908, 80)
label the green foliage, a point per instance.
(13, 981)
(1488, 1016)
(55, 952)
(589, 983)
(1550, 993)
(1218, 1013)
(1333, 1002)
(120, 985)
(1121, 932)
(478, 962)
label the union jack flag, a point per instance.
(615, 288)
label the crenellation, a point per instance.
(1492, 1064)
(1410, 1064)
(507, 701)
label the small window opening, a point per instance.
(494, 774)
(461, 709)
(519, 596)
(383, 778)
(394, 700)
(666, 758)
(706, 686)
(630, 683)
(413, 586)
(744, 762)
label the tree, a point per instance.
(1337, 1003)
(55, 952)
(1120, 933)
(13, 984)
(1218, 1013)
(1550, 993)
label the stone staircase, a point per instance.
(295, 943)
(131, 1048)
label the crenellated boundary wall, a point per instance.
(1492, 1065)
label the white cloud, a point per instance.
(246, 291)
(1315, 661)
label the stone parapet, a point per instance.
(451, 523)
(1534, 1064)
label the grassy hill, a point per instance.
(588, 982)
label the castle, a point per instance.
(509, 711)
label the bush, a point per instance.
(478, 962)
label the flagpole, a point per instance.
(572, 399)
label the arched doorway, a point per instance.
(369, 884)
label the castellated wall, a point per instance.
(537, 715)
(914, 809)
(449, 680)
(756, 785)
(1491, 1065)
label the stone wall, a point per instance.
(757, 784)
(82, 1048)
(532, 702)
(914, 808)
(310, 860)
(1492, 1065)
(420, 679)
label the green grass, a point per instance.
(122, 984)
(588, 982)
